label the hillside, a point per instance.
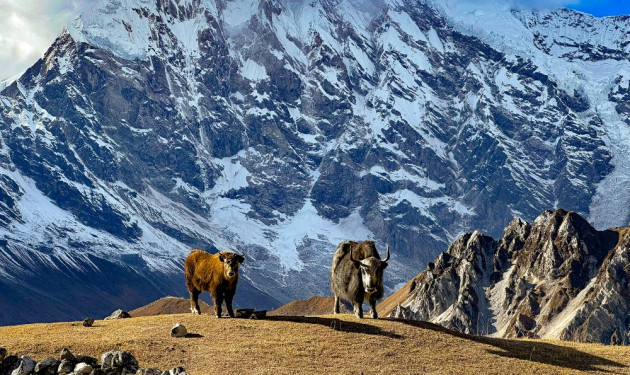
(169, 305)
(308, 345)
(314, 305)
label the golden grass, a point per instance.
(327, 344)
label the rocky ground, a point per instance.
(338, 344)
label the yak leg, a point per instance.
(373, 312)
(217, 298)
(194, 301)
(358, 309)
(336, 307)
(228, 303)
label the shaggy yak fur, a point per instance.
(357, 275)
(215, 273)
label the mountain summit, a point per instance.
(280, 128)
(557, 278)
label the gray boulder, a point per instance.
(120, 360)
(47, 366)
(25, 366)
(87, 359)
(179, 330)
(8, 364)
(118, 314)
(65, 366)
(67, 355)
(82, 368)
(177, 371)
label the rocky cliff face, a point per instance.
(278, 129)
(557, 278)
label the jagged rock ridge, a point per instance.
(557, 278)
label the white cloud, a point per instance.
(28, 28)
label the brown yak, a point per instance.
(215, 273)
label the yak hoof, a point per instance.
(195, 311)
(374, 315)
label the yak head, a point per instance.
(230, 262)
(371, 269)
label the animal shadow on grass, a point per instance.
(338, 325)
(536, 351)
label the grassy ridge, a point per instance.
(338, 344)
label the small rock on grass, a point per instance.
(88, 322)
(179, 330)
(118, 314)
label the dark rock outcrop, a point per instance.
(555, 278)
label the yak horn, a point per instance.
(387, 257)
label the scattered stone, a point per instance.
(88, 322)
(47, 366)
(8, 364)
(83, 368)
(149, 371)
(118, 314)
(65, 367)
(119, 360)
(3, 353)
(67, 355)
(113, 363)
(177, 371)
(179, 330)
(25, 366)
(87, 359)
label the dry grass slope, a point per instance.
(338, 344)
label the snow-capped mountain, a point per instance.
(557, 278)
(280, 128)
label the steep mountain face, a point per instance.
(280, 128)
(557, 278)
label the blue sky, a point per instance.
(28, 27)
(603, 7)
